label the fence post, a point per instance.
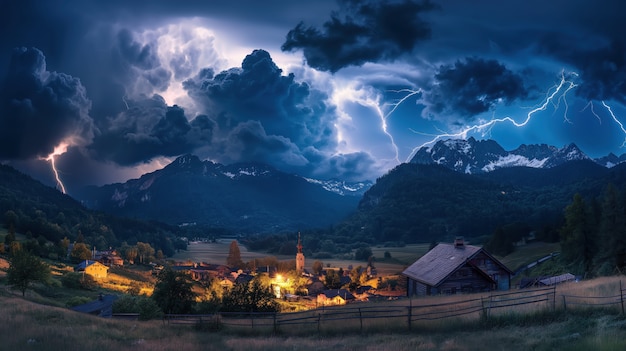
(319, 317)
(564, 303)
(410, 316)
(361, 320)
(275, 325)
(621, 295)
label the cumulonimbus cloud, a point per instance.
(471, 87)
(148, 129)
(40, 109)
(368, 31)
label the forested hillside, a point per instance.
(44, 214)
(422, 203)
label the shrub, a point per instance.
(145, 306)
(77, 300)
(75, 280)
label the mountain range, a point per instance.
(256, 198)
(480, 156)
(454, 188)
(246, 197)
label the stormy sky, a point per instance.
(325, 89)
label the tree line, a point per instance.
(593, 238)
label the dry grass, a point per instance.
(27, 326)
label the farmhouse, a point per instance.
(455, 268)
(334, 297)
(108, 258)
(93, 268)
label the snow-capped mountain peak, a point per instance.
(472, 156)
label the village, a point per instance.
(445, 269)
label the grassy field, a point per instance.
(31, 326)
(526, 254)
(218, 251)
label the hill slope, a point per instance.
(420, 203)
(47, 213)
(245, 197)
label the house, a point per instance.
(455, 268)
(108, 258)
(315, 288)
(102, 307)
(93, 268)
(334, 297)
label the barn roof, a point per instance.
(101, 307)
(439, 262)
(558, 279)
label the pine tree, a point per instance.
(577, 237)
(234, 255)
(612, 231)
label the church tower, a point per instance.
(299, 257)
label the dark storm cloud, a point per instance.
(353, 165)
(263, 115)
(248, 141)
(369, 31)
(259, 91)
(603, 72)
(471, 87)
(148, 129)
(39, 109)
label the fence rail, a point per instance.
(360, 316)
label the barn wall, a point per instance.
(416, 288)
(494, 270)
(465, 280)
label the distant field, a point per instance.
(401, 257)
(526, 254)
(217, 253)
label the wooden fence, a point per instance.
(404, 314)
(615, 301)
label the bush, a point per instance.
(145, 306)
(77, 300)
(363, 254)
(74, 280)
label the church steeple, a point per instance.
(299, 256)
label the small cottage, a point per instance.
(93, 268)
(456, 268)
(334, 297)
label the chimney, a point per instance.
(459, 243)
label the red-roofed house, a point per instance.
(456, 268)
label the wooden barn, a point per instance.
(456, 268)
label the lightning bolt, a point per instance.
(554, 96)
(59, 150)
(371, 101)
(608, 108)
(593, 112)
